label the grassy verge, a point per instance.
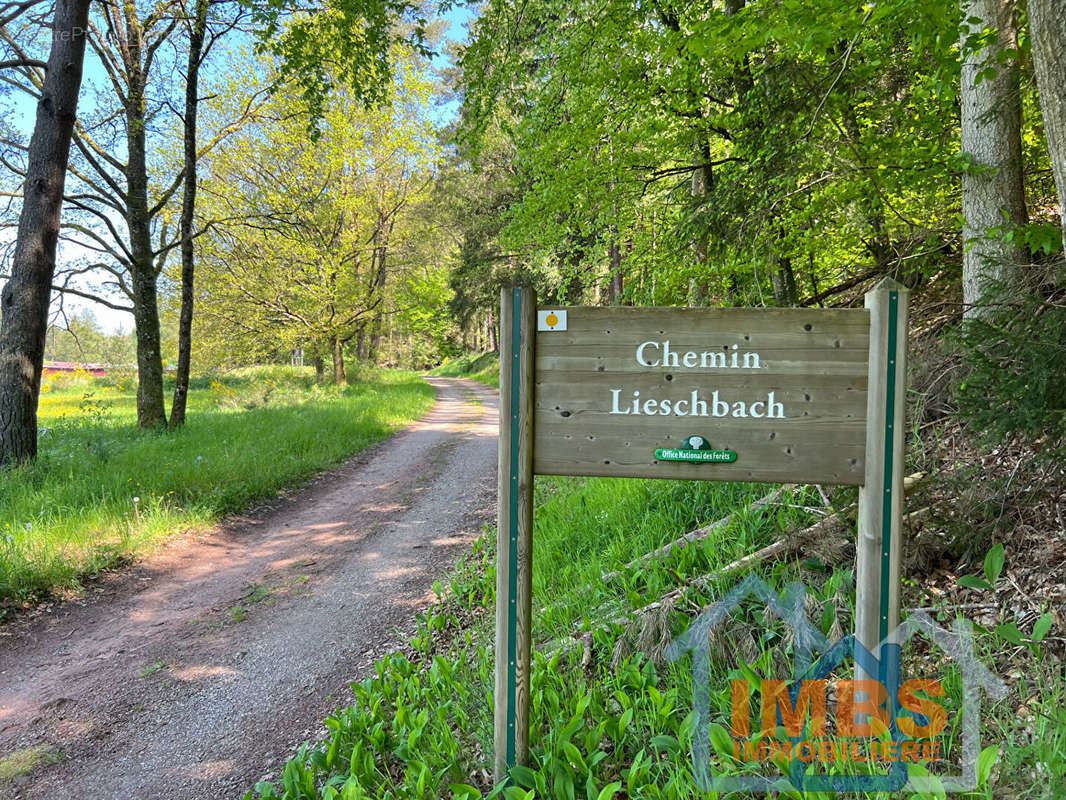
(610, 716)
(481, 367)
(101, 491)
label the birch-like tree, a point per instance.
(1047, 35)
(993, 191)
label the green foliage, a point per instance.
(714, 147)
(84, 340)
(1032, 737)
(101, 492)
(337, 46)
(421, 725)
(477, 191)
(1015, 359)
(1037, 237)
(17, 763)
(993, 567)
(327, 241)
(481, 367)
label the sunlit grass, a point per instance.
(481, 367)
(23, 762)
(101, 491)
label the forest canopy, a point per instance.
(354, 181)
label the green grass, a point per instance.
(621, 722)
(481, 367)
(102, 492)
(23, 762)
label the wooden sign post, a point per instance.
(881, 495)
(726, 394)
(514, 530)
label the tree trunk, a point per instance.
(150, 411)
(337, 346)
(1047, 32)
(784, 283)
(614, 288)
(702, 176)
(27, 294)
(320, 366)
(188, 209)
(993, 195)
(697, 293)
(361, 343)
(143, 273)
(380, 278)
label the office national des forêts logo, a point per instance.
(875, 732)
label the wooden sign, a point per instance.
(784, 389)
(739, 394)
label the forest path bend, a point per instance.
(191, 675)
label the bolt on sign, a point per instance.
(728, 394)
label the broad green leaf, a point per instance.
(721, 741)
(464, 791)
(994, 563)
(523, 776)
(665, 742)
(1010, 633)
(985, 762)
(1041, 627)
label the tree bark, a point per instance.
(27, 294)
(784, 283)
(700, 188)
(361, 343)
(614, 288)
(993, 194)
(150, 412)
(320, 366)
(188, 209)
(380, 279)
(1047, 33)
(337, 347)
(143, 269)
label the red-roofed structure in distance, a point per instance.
(61, 367)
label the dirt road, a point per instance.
(193, 674)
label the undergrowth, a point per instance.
(610, 716)
(1015, 359)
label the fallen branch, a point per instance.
(910, 483)
(841, 287)
(914, 516)
(782, 546)
(789, 544)
(818, 532)
(695, 535)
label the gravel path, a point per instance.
(194, 673)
